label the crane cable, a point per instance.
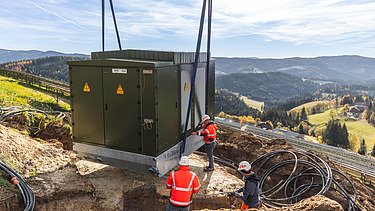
(195, 66)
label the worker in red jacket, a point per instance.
(209, 136)
(183, 183)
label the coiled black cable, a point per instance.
(305, 175)
(27, 194)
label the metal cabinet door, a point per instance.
(87, 104)
(121, 108)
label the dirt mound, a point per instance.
(317, 203)
(29, 156)
(63, 190)
(57, 131)
(18, 122)
(44, 127)
(240, 146)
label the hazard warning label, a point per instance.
(86, 87)
(186, 87)
(120, 91)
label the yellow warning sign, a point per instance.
(120, 91)
(186, 87)
(86, 87)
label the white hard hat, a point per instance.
(205, 117)
(244, 166)
(184, 161)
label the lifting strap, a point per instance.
(195, 66)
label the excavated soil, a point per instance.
(62, 182)
(53, 132)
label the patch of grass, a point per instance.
(14, 94)
(362, 130)
(358, 127)
(309, 105)
(252, 103)
(322, 118)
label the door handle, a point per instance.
(106, 107)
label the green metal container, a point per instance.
(135, 102)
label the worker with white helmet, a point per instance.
(208, 132)
(250, 191)
(183, 184)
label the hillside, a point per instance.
(271, 88)
(324, 68)
(360, 128)
(12, 93)
(230, 103)
(17, 55)
(50, 67)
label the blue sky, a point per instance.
(241, 28)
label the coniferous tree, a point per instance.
(335, 134)
(345, 137)
(362, 148)
(303, 115)
(327, 134)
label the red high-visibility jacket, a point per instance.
(183, 183)
(209, 132)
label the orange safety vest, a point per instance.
(209, 132)
(183, 183)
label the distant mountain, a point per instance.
(54, 67)
(17, 55)
(334, 68)
(272, 88)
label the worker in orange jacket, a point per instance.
(209, 136)
(183, 184)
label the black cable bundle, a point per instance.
(303, 174)
(25, 190)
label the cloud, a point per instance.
(296, 21)
(57, 15)
(313, 22)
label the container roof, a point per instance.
(148, 55)
(121, 63)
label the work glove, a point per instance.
(231, 194)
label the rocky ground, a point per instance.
(61, 181)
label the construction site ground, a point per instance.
(63, 181)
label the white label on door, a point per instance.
(120, 71)
(147, 72)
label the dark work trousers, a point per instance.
(210, 153)
(171, 207)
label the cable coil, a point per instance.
(27, 194)
(289, 176)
